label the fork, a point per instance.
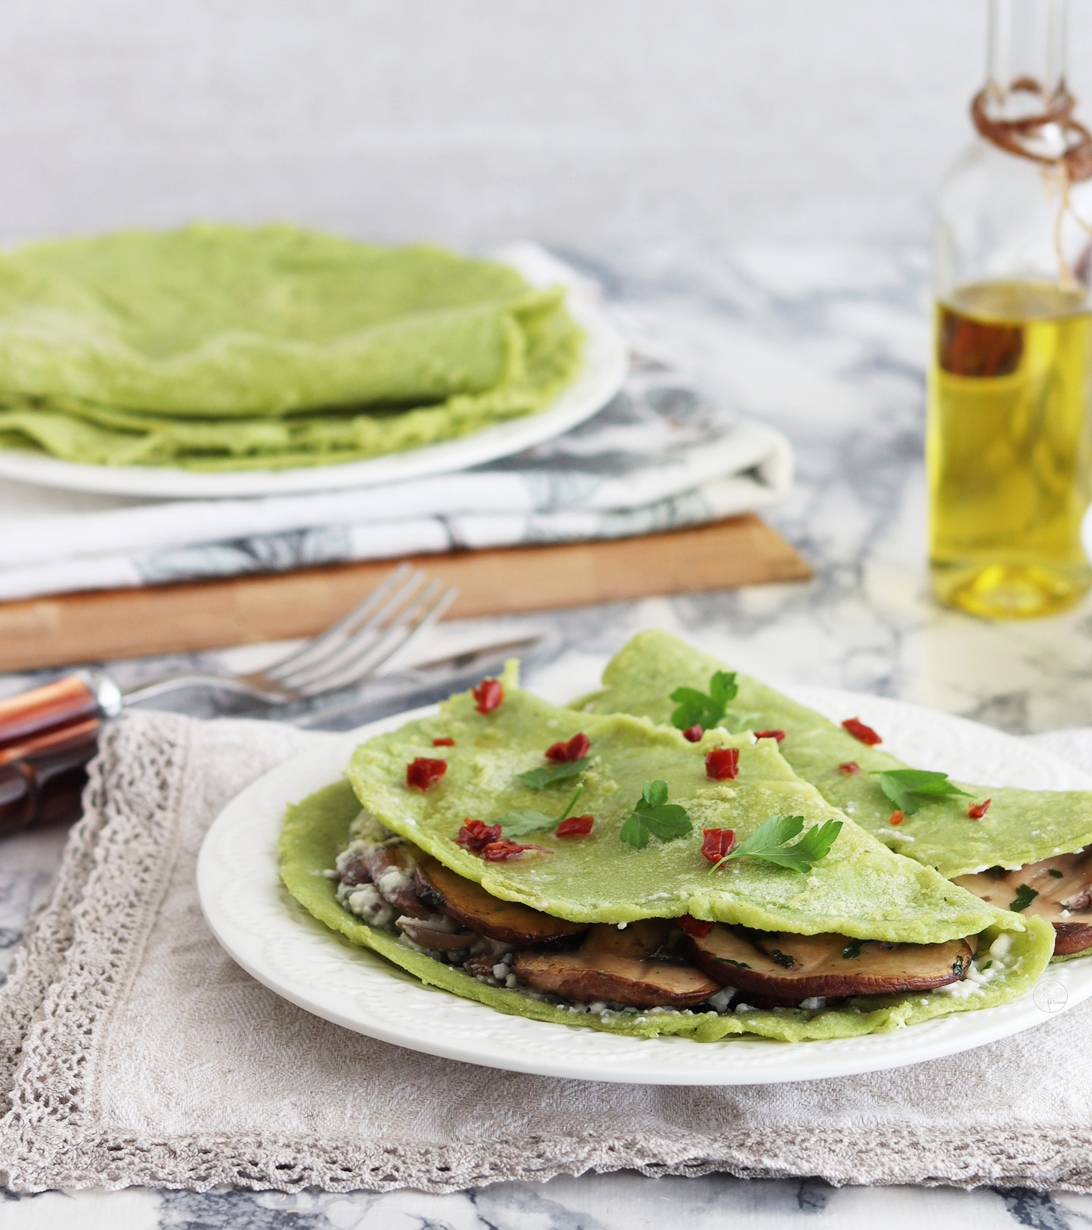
(65, 715)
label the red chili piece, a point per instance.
(693, 733)
(897, 817)
(443, 742)
(770, 734)
(849, 768)
(977, 810)
(575, 826)
(697, 927)
(476, 835)
(575, 749)
(860, 731)
(717, 843)
(487, 695)
(722, 763)
(422, 772)
(500, 851)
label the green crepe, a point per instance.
(317, 829)
(225, 347)
(859, 889)
(1021, 826)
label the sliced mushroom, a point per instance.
(1063, 888)
(435, 933)
(470, 904)
(391, 865)
(787, 969)
(615, 966)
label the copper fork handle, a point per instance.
(45, 718)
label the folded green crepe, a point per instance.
(1020, 827)
(225, 347)
(859, 889)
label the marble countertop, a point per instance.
(829, 345)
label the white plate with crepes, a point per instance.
(605, 363)
(273, 938)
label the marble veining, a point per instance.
(828, 344)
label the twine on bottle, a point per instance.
(1016, 136)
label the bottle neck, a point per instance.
(1027, 44)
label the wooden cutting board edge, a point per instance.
(110, 624)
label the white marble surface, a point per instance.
(828, 344)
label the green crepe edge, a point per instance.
(316, 829)
(814, 748)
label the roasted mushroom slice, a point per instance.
(436, 933)
(614, 966)
(1058, 889)
(470, 904)
(391, 867)
(787, 969)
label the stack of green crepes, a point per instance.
(222, 347)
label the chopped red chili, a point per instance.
(697, 927)
(487, 695)
(575, 749)
(575, 826)
(861, 732)
(897, 817)
(500, 851)
(850, 767)
(422, 772)
(443, 742)
(722, 763)
(693, 733)
(717, 843)
(476, 834)
(770, 734)
(977, 810)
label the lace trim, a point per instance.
(80, 954)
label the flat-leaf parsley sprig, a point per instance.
(907, 788)
(700, 711)
(530, 820)
(770, 842)
(653, 814)
(538, 779)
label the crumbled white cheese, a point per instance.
(355, 849)
(392, 881)
(720, 1001)
(511, 981)
(1001, 946)
(331, 873)
(367, 904)
(598, 1007)
(741, 1008)
(813, 1003)
(622, 926)
(501, 971)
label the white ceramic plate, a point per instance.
(605, 363)
(281, 945)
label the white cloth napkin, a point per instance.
(133, 1050)
(659, 456)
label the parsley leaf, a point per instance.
(530, 820)
(653, 814)
(698, 709)
(770, 842)
(1025, 895)
(539, 778)
(907, 787)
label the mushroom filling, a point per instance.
(1058, 889)
(650, 963)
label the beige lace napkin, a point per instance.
(136, 1052)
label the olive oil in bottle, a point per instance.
(1007, 448)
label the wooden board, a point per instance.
(101, 626)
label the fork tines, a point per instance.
(367, 636)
